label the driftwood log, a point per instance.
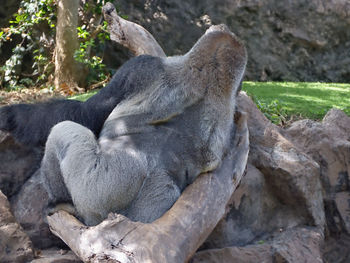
(132, 36)
(175, 236)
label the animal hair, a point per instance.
(30, 124)
(156, 140)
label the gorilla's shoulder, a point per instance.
(137, 71)
(144, 62)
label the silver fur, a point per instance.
(155, 142)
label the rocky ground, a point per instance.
(26, 96)
(286, 40)
(291, 206)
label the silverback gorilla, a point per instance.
(166, 131)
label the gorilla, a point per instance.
(30, 124)
(173, 123)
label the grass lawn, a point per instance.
(85, 96)
(304, 99)
(282, 101)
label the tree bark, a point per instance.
(66, 67)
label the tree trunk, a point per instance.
(66, 67)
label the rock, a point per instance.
(336, 250)
(276, 215)
(328, 142)
(15, 245)
(280, 190)
(298, 245)
(290, 173)
(286, 40)
(247, 254)
(56, 256)
(17, 164)
(293, 245)
(28, 206)
(256, 212)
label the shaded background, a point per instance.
(286, 40)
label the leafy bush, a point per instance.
(273, 110)
(33, 32)
(30, 29)
(94, 63)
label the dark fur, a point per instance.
(30, 124)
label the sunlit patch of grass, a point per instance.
(305, 99)
(85, 96)
(281, 101)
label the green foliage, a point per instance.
(85, 96)
(32, 29)
(33, 18)
(97, 70)
(298, 99)
(273, 110)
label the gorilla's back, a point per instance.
(179, 147)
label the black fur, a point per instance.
(30, 124)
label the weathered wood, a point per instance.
(177, 234)
(131, 35)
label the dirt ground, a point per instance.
(27, 96)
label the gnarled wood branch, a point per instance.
(177, 234)
(131, 35)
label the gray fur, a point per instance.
(156, 141)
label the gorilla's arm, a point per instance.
(72, 154)
(30, 124)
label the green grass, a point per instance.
(282, 101)
(303, 99)
(85, 96)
